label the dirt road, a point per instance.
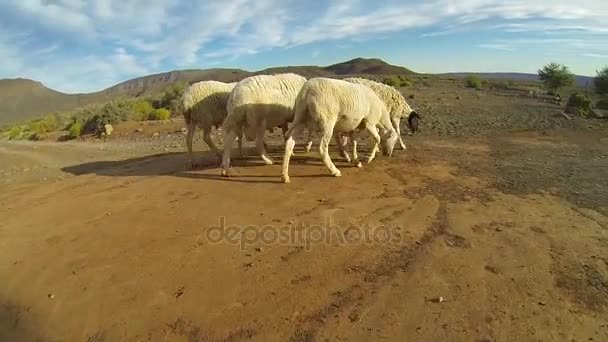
(478, 238)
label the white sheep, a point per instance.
(256, 104)
(204, 106)
(339, 107)
(395, 103)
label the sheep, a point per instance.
(334, 106)
(204, 105)
(412, 121)
(256, 104)
(394, 101)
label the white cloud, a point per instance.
(596, 55)
(127, 38)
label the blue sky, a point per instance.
(82, 46)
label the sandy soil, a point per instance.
(463, 237)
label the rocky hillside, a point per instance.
(22, 99)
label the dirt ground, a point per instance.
(492, 226)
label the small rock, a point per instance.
(179, 292)
(486, 338)
(184, 130)
(249, 264)
(259, 249)
(139, 130)
(458, 98)
(542, 303)
(155, 134)
(412, 96)
(51, 296)
(108, 129)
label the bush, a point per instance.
(111, 113)
(473, 81)
(579, 104)
(405, 82)
(75, 130)
(602, 104)
(555, 76)
(159, 114)
(601, 81)
(390, 81)
(15, 133)
(142, 109)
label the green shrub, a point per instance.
(142, 109)
(473, 81)
(579, 104)
(405, 82)
(75, 130)
(15, 133)
(391, 81)
(111, 113)
(159, 114)
(602, 104)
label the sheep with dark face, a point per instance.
(413, 121)
(395, 103)
(337, 107)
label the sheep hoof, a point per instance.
(358, 164)
(285, 179)
(268, 162)
(337, 174)
(225, 173)
(308, 147)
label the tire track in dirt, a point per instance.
(358, 293)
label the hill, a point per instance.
(22, 99)
(581, 81)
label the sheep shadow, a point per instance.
(175, 164)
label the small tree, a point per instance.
(601, 81)
(160, 114)
(473, 81)
(555, 76)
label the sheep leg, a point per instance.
(396, 124)
(324, 151)
(290, 143)
(209, 142)
(353, 143)
(309, 143)
(373, 131)
(228, 140)
(189, 136)
(240, 143)
(260, 145)
(341, 142)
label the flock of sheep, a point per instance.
(334, 108)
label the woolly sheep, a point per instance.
(204, 106)
(334, 106)
(256, 104)
(395, 103)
